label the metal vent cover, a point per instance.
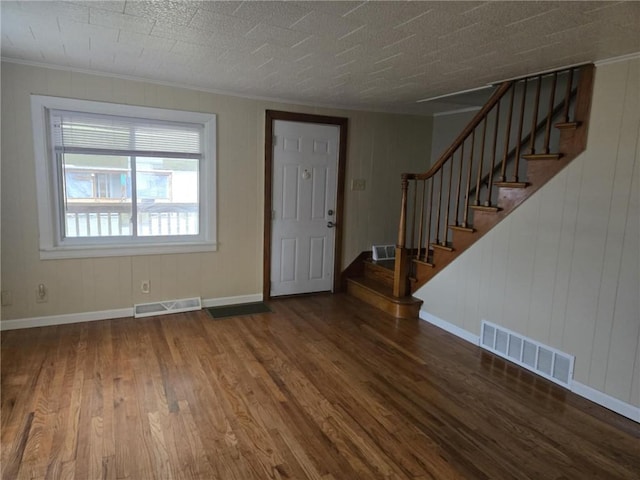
(546, 361)
(166, 306)
(383, 252)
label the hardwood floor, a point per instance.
(325, 387)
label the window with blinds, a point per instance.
(127, 177)
(74, 132)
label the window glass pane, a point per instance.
(97, 195)
(167, 196)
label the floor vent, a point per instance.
(167, 306)
(547, 362)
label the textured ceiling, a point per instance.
(367, 55)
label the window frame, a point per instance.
(52, 242)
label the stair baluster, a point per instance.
(507, 137)
(480, 165)
(567, 96)
(413, 221)
(445, 226)
(552, 95)
(465, 219)
(438, 208)
(534, 121)
(493, 155)
(429, 210)
(523, 105)
(424, 188)
(456, 223)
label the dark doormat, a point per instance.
(238, 310)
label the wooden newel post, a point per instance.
(400, 271)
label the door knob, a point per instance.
(331, 224)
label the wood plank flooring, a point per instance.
(323, 388)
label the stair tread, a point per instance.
(458, 228)
(383, 290)
(439, 246)
(484, 208)
(542, 156)
(567, 125)
(422, 262)
(511, 184)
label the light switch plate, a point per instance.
(358, 184)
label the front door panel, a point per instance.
(305, 164)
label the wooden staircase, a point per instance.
(505, 154)
(375, 286)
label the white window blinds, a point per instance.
(75, 132)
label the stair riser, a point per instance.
(371, 298)
(380, 274)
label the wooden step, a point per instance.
(381, 296)
(458, 228)
(542, 156)
(439, 246)
(567, 125)
(485, 208)
(511, 184)
(381, 271)
(423, 262)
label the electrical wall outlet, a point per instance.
(42, 294)
(358, 184)
(145, 286)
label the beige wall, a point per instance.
(381, 146)
(563, 269)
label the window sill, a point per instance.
(125, 251)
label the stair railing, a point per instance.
(461, 181)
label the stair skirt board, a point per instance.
(166, 307)
(541, 359)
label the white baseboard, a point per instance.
(450, 327)
(50, 320)
(219, 302)
(596, 396)
(607, 401)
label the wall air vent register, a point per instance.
(383, 252)
(546, 361)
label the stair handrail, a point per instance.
(473, 123)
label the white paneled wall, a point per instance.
(564, 268)
(380, 147)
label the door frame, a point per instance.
(343, 125)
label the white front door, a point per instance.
(305, 166)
